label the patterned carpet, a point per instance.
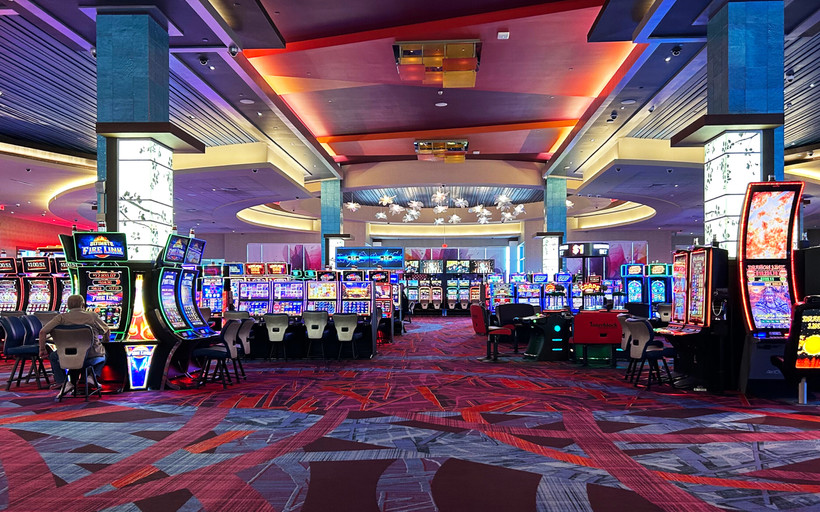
(422, 427)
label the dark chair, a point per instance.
(345, 324)
(277, 327)
(645, 348)
(243, 344)
(221, 352)
(73, 342)
(478, 318)
(508, 315)
(23, 347)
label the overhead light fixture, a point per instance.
(450, 64)
(441, 104)
(503, 34)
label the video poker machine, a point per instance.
(528, 293)
(11, 286)
(289, 297)
(767, 240)
(39, 287)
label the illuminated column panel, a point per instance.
(145, 196)
(732, 161)
(551, 256)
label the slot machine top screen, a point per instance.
(808, 345)
(175, 249)
(482, 266)
(255, 269)
(277, 268)
(321, 290)
(288, 291)
(355, 291)
(457, 266)
(767, 229)
(36, 265)
(540, 278)
(99, 247)
(193, 256)
(236, 269)
(411, 266)
(8, 266)
(633, 270)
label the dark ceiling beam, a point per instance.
(449, 132)
(413, 30)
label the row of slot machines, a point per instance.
(649, 285)
(440, 292)
(34, 284)
(563, 290)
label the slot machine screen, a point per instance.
(322, 305)
(175, 249)
(288, 291)
(412, 282)
(413, 294)
(39, 294)
(360, 307)
(104, 295)
(769, 296)
(9, 294)
(767, 228)
(167, 297)
(254, 308)
(291, 308)
(679, 293)
(254, 290)
(383, 290)
(528, 290)
(808, 344)
(212, 289)
(61, 266)
(8, 266)
(186, 289)
(36, 265)
(634, 290)
(352, 275)
(378, 276)
(657, 290)
(66, 284)
(697, 287)
(309, 274)
(212, 271)
(193, 256)
(411, 266)
(355, 291)
(255, 269)
(482, 266)
(456, 267)
(277, 268)
(432, 266)
(327, 276)
(540, 278)
(464, 283)
(321, 290)
(236, 269)
(518, 278)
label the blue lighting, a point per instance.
(556, 328)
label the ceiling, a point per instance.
(317, 81)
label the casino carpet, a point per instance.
(422, 427)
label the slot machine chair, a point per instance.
(236, 315)
(243, 344)
(644, 348)
(315, 325)
(508, 316)
(478, 316)
(73, 342)
(19, 345)
(664, 315)
(45, 316)
(786, 363)
(277, 325)
(223, 350)
(345, 324)
(626, 341)
(17, 314)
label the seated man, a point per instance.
(76, 315)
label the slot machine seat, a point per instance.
(479, 319)
(236, 315)
(509, 315)
(17, 314)
(345, 324)
(73, 342)
(644, 348)
(786, 363)
(626, 339)
(663, 315)
(20, 345)
(315, 325)
(45, 316)
(277, 326)
(221, 352)
(243, 343)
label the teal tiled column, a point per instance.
(331, 211)
(555, 205)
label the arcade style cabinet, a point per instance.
(766, 274)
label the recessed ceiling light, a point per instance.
(812, 84)
(246, 101)
(211, 68)
(667, 59)
(628, 101)
(259, 114)
(441, 104)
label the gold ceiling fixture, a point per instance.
(449, 64)
(448, 151)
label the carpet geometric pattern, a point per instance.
(423, 426)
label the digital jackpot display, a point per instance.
(457, 266)
(98, 246)
(808, 345)
(697, 287)
(168, 300)
(679, 290)
(186, 297)
(411, 266)
(36, 265)
(277, 268)
(255, 269)
(769, 297)
(8, 266)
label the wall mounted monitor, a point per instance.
(348, 257)
(391, 258)
(100, 247)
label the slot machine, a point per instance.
(464, 294)
(564, 280)
(768, 284)
(436, 293)
(633, 275)
(236, 274)
(39, 288)
(357, 297)
(186, 296)
(658, 278)
(679, 291)
(503, 293)
(412, 290)
(476, 286)
(555, 297)
(289, 297)
(490, 288)
(383, 293)
(11, 286)
(576, 293)
(355, 276)
(593, 296)
(452, 294)
(254, 297)
(528, 293)
(167, 293)
(62, 282)
(424, 293)
(322, 296)
(212, 286)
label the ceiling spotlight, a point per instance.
(676, 50)
(211, 68)
(668, 58)
(441, 104)
(203, 59)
